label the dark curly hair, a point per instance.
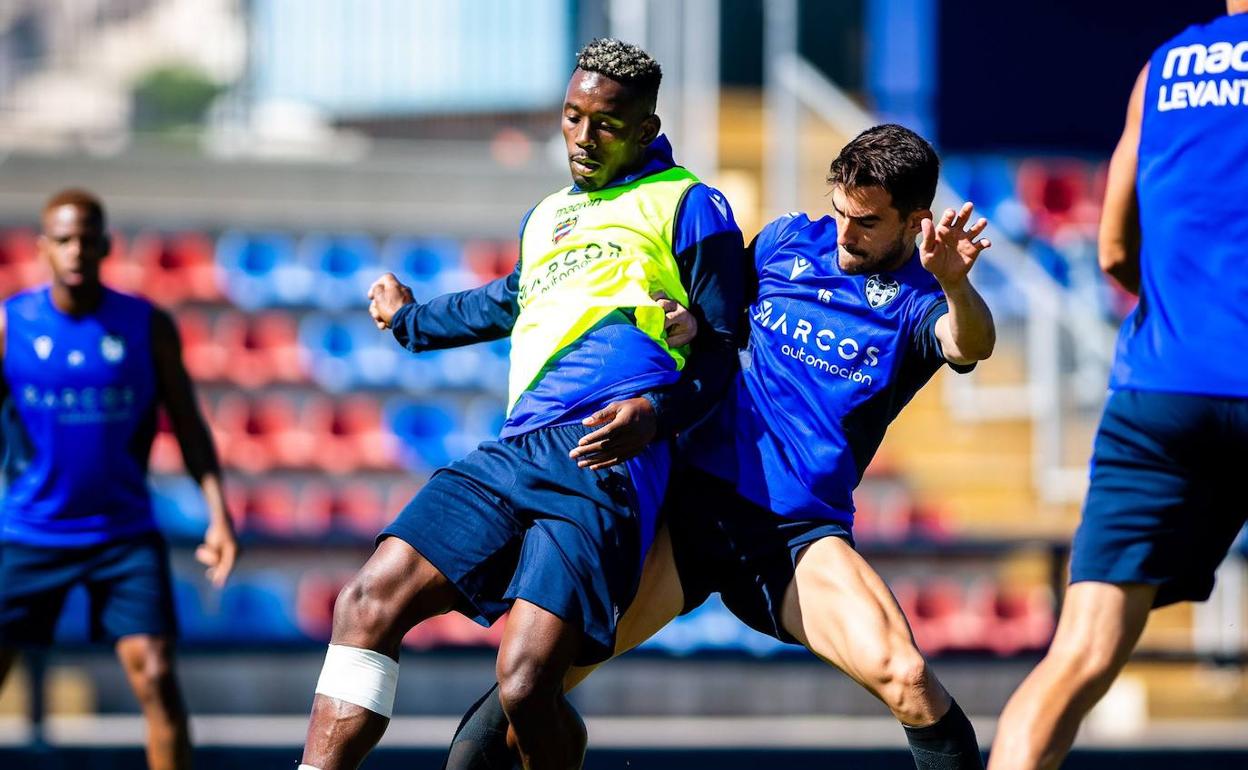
(624, 63)
(892, 157)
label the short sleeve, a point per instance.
(924, 342)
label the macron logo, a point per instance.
(800, 265)
(720, 204)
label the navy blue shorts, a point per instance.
(128, 586)
(516, 519)
(1167, 493)
(724, 543)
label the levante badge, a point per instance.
(562, 229)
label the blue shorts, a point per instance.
(724, 543)
(516, 519)
(1166, 498)
(128, 586)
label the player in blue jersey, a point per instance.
(848, 319)
(1166, 494)
(517, 524)
(84, 370)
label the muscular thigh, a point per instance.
(841, 609)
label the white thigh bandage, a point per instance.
(363, 677)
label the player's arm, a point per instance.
(712, 274)
(220, 547)
(477, 315)
(1118, 242)
(948, 251)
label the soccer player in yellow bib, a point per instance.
(554, 519)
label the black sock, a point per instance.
(949, 744)
(480, 741)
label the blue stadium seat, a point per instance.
(194, 622)
(343, 265)
(423, 430)
(342, 353)
(260, 607)
(711, 627)
(258, 270)
(179, 506)
(425, 264)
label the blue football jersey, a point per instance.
(1188, 333)
(831, 360)
(78, 421)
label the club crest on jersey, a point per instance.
(43, 347)
(881, 290)
(113, 348)
(800, 265)
(562, 229)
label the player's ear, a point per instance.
(650, 127)
(914, 221)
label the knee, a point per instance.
(903, 681)
(1085, 665)
(155, 685)
(364, 616)
(526, 688)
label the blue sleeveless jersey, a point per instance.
(832, 359)
(78, 421)
(1190, 331)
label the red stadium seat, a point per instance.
(940, 619)
(358, 509)
(491, 259)
(347, 434)
(266, 508)
(1059, 195)
(176, 268)
(1015, 618)
(454, 630)
(256, 436)
(204, 356)
(119, 270)
(259, 348)
(315, 596)
(20, 267)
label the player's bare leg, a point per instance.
(840, 608)
(148, 663)
(537, 650)
(1098, 629)
(396, 589)
(480, 740)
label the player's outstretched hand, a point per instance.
(679, 325)
(949, 249)
(218, 552)
(386, 296)
(628, 426)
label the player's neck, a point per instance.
(79, 300)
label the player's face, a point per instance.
(606, 129)
(871, 235)
(73, 243)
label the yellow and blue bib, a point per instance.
(588, 330)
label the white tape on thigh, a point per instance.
(363, 677)
(308, 767)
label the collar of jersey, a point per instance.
(658, 158)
